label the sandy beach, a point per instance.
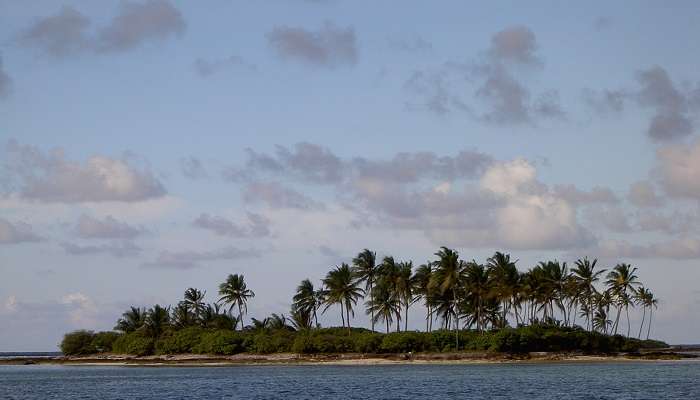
(342, 359)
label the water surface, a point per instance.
(626, 380)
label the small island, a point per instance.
(474, 313)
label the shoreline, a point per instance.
(204, 360)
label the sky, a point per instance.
(148, 146)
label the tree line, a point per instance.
(457, 295)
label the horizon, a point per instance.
(151, 146)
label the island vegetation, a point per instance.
(469, 307)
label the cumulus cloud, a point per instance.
(137, 23)
(18, 232)
(612, 218)
(643, 194)
(676, 222)
(276, 195)
(501, 96)
(59, 35)
(679, 249)
(207, 68)
(330, 46)
(119, 249)
(597, 194)
(256, 225)
(82, 309)
(679, 169)
(5, 82)
(66, 33)
(193, 259)
(52, 177)
(108, 228)
(658, 92)
(192, 168)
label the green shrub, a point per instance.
(134, 343)
(225, 342)
(402, 342)
(178, 342)
(367, 342)
(103, 341)
(78, 343)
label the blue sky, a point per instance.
(148, 146)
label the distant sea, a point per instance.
(29, 354)
(606, 380)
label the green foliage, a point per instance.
(181, 341)
(223, 342)
(367, 342)
(78, 343)
(403, 342)
(134, 343)
(102, 342)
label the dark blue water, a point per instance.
(667, 380)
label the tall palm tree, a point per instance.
(478, 282)
(235, 293)
(622, 281)
(504, 280)
(449, 278)
(404, 288)
(306, 301)
(342, 288)
(586, 276)
(384, 303)
(652, 302)
(182, 317)
(390, 274)
(366, 270)
(422, 288)
(157, 320)
(194, 300)
(131, 320)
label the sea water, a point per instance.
(607, 380)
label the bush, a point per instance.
(103, 341)
(134, 343)
(225, 342)
(178, 342)
(367, 342)
(78, 343)
(403, 342)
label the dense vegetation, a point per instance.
(480, 303)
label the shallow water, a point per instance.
(627, 380)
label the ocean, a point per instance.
(607, 380)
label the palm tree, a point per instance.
(622, 280)
(586, 276)
(652, 302)
(342, 288)
(503, 280)
(306, 302)
(404, 288)
(157, 320)
(449, 278)
(235, 292)
(646, 299)
(194, 300)
(422, 288)
(366, 270)
(131, 320)
(384, 303)
(477, 280)
(182, 317)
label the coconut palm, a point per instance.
(477, 280)
(404, 288)
(235, 293)
(194, 300)
(384, 304)
(503, 280)
(182, 317)
(422, 288)
(622, 281)
(306, 302)
(157, 320)
(652, 302)
(342, 288)
(586, 276)
(646, 299)
(449, 278)
(131, 320)
(366, 271)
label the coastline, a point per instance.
(204, 360)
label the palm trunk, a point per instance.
(617, 319)
(347, 311)
(342, 314)
(651, 314)
(405, 326)
(240, 315)
(454, 297)
(387, 324)
(371, 299)
(627, 311)
(644, 314)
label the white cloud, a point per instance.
(18, 232)
(679, 169)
